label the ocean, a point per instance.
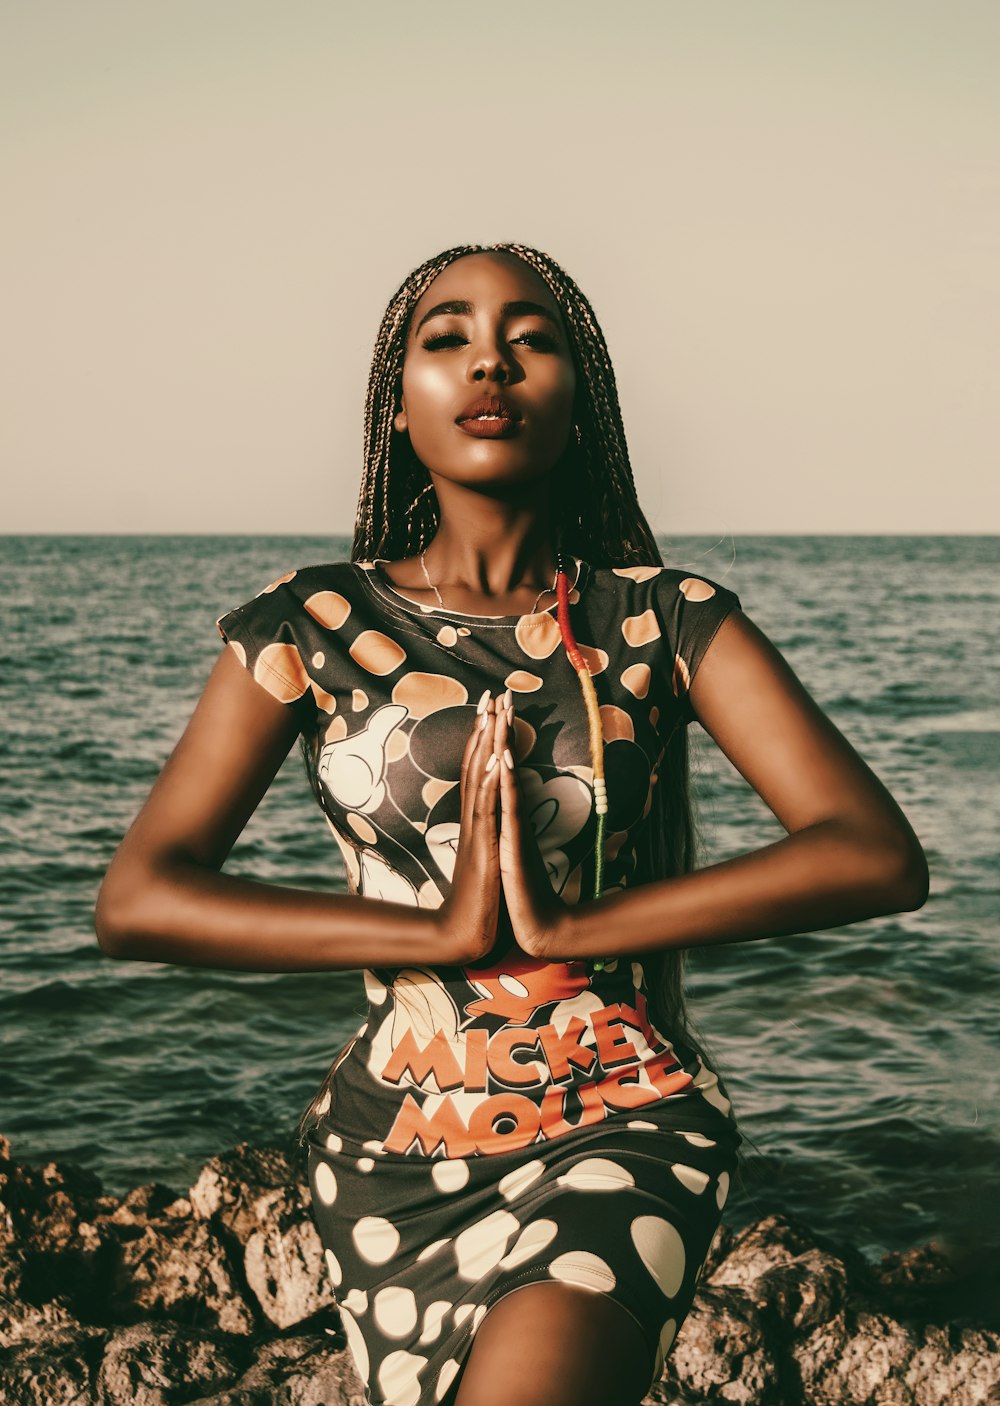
(862, 1060)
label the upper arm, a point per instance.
(236, 740)
(749, 700)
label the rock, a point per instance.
(298, 1371)
(255, 1194)
(143, 1364)
(722, 1354)
(52, 1368)
(221, 1297)
(178, 1269)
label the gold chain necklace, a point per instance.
(423, 566)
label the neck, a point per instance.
(494, 549)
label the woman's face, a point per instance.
(487, 327)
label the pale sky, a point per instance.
(786, 216)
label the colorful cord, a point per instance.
(595, 728)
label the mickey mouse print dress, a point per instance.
(511, 1121)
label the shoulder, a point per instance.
(664, 589)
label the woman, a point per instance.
(522, 1146)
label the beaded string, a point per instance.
(595, 729)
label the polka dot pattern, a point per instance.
(511, 1121)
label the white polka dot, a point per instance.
(583, 1268)
(513, 1183)
(375, 1239)
(722, 1190)
(318, 659)
(326, 1184)
(375, 990)
(355, 1341)
(531, 1241)
(398, 1379)
(511, 984)
(463, 1311)
(373, 1145)
(481, 1247)
(433, 1248)
(638, 1123)
(698, 1140)
(446, 1376)
(433, 1318)
(450, 1175)
(333, 1265)
(324, 1104)
(478, 1316)
(355, 1302)
(667, 1335)
(661, 1250)
(690, 1177)
(334, 1142)
(365, 1164)
(395, 1310)
(596, 1174)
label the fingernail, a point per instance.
(508, 759)
(483, 701)
(508, 699)
(483, 721)
(510, 717)
(492, 761)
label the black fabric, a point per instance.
(511, 1120)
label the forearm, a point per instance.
(192, 915)
(820, 877)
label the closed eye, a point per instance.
(541, 341)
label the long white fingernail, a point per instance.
(492, 761)
(510, 717)
(483, 721)
(483, 701)
(508, 699)
(508, 759)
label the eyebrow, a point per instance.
(516, 309)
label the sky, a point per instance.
(786, 217)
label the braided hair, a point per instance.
(599, 519)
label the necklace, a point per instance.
(542, 592)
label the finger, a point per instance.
(479, 745)
(469, 750)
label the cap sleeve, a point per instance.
(264, 635)
(691, 609)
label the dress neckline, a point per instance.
(380, 586)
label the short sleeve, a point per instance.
(264, 635)
(691, 610)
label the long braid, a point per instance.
(398, 514)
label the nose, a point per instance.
(489, 363)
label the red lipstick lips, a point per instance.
(488, 417)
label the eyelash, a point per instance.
(541, 339)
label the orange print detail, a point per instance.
(376, 652)
(280, 669)
(329, 608)
(640, 629)
(437, 1059)
(520, 681)
(526, 1116)
(636, 679)
(537, 635)
(423, 694)
(517, 985)
(616, 723)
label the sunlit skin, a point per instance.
(848, 852)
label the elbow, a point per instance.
(111, 920)
(910, 877)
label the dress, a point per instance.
(513, 1120)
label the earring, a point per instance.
(579, 436)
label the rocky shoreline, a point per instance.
(220, 1297)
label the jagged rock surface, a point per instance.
(221, 1298)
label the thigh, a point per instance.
(548, 1344)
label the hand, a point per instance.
(538, 916)
(467, 920)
